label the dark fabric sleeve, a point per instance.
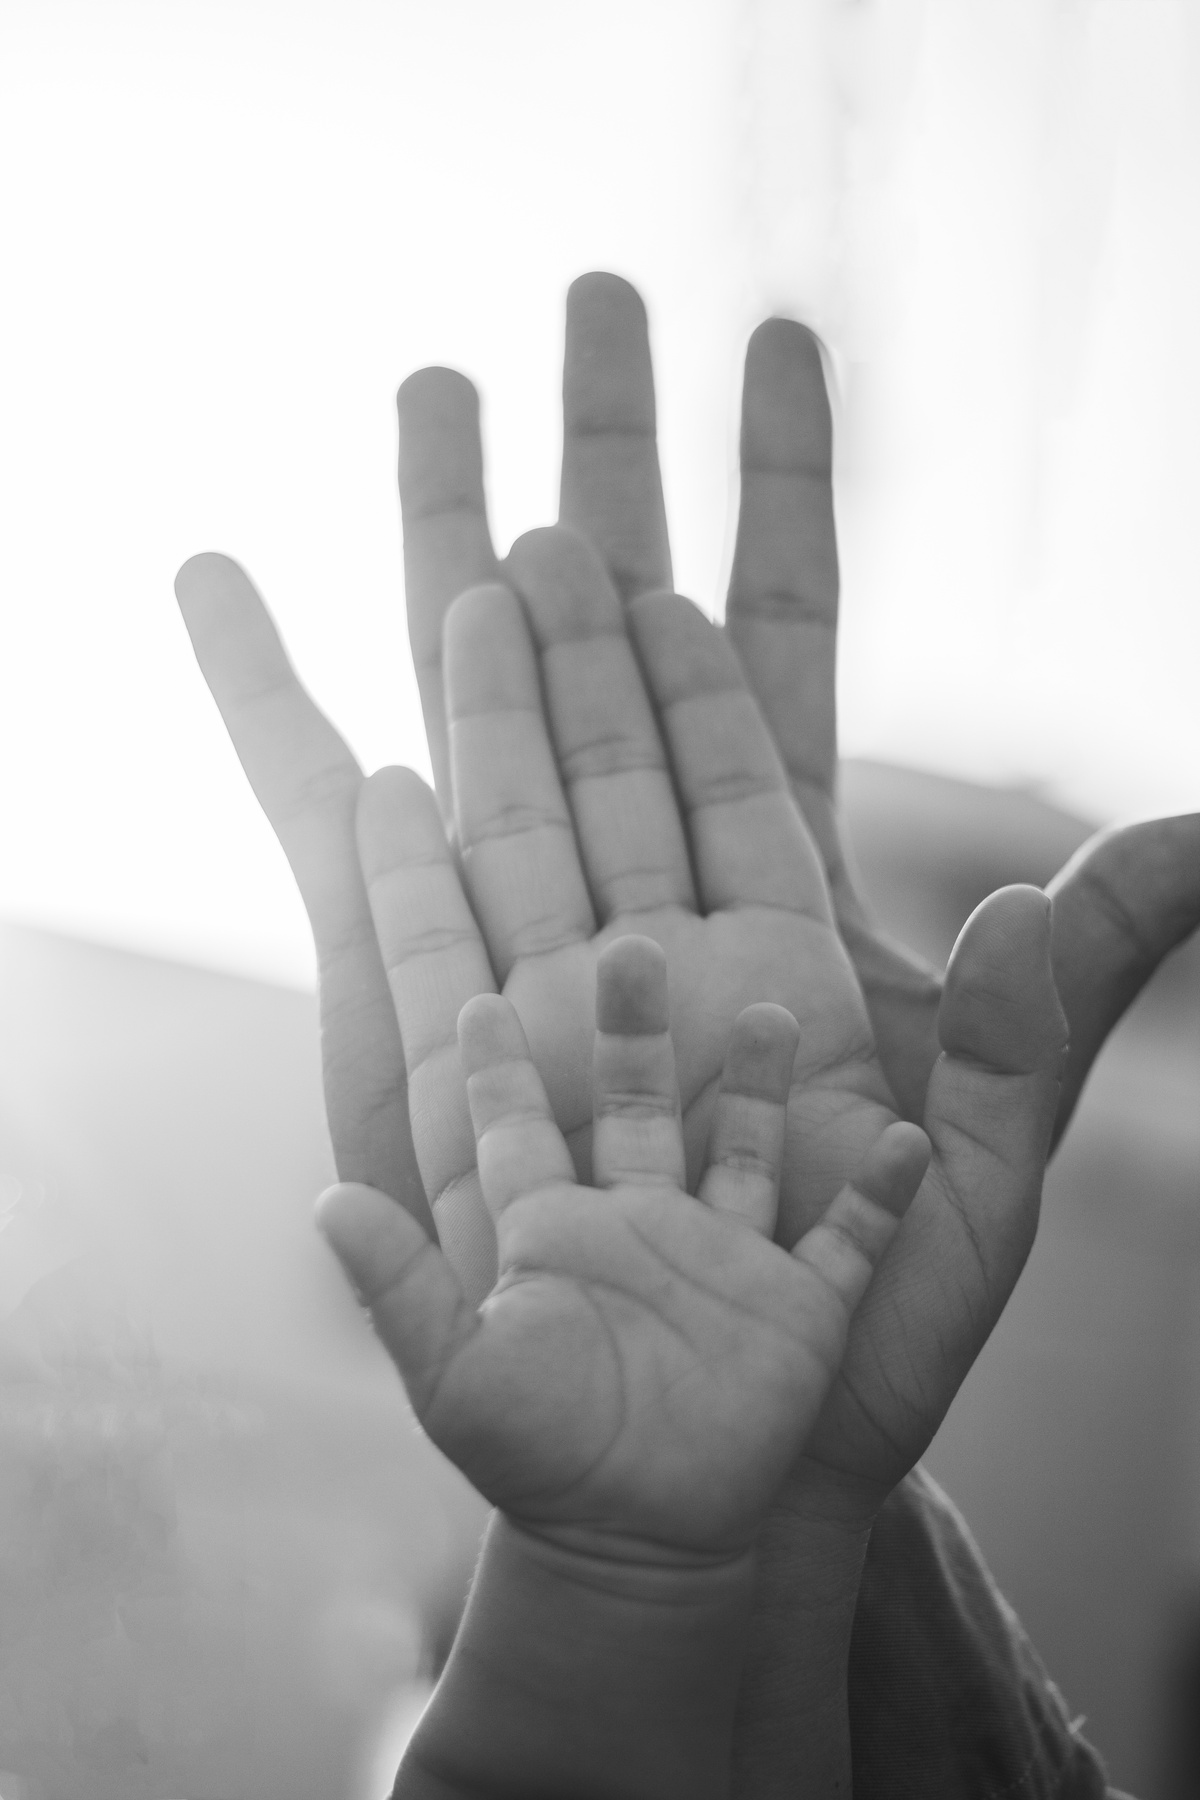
(947, 1695)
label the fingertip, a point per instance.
(486, 650)
(236, 642)
(896, 1166)
(543, 540)
(767, 1016)
(338, 1207)
(441, 487)
(553, 550)
(762, 1053)
(631, 988)
(567, 591)
(1005, 941)
(1000, 1006)
(1020, 914)
(787, 393)
(355, 1221)
(905, 1137)
(784, 344)
(475, 607)
(393, 782)
(489, 1031)
(786, 419)
(608, 383)
(600, 289)
(210, 576)
(436, 395)
(396, 820)
(559, 571)
(681, 650)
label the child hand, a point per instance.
(648, 1365)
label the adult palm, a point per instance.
(1120, 904)
(570, 835)
(729, 883)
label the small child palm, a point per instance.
(649, 1364)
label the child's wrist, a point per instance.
(589, 1673)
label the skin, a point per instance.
(644, 1371)
(760, 918)
(728, 882)
(647, 1365)
(1121, 904)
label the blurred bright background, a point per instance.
(229, 230)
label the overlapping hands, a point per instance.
(612, 763)
(633, 853)
(648, 1364)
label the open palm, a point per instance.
(1118, 907)
(554, 870)
(726, 879)
(648, 1364)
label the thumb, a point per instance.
(1123, 902)
(994, 1090)
(414, 1298)
(999, 1004)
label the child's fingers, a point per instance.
(637, 1134)
(846, 1245)
(411, 1292)
(518, 1145)
(749, 1121)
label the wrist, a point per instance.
(792, 1727)
(586, 1674)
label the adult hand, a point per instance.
(307, 782)
(1121, 904)
(766, 932)
(1111, 927)
(728, 882)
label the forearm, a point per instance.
(792, 1729)
(580, 1678)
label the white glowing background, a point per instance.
(230, 229)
